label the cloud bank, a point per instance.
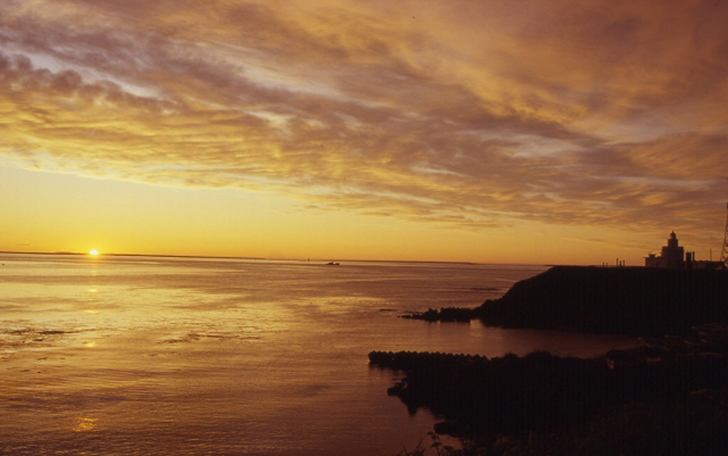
(468, 114)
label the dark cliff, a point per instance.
(633, 301)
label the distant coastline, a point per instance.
(213, 257)
(10, 252)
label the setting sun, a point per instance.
(93, 252)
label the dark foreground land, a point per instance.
(631, 301)
(659, 403)
(668, 398)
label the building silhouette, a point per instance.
(672, 256)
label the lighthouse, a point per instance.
(672, 255)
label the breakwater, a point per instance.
(630, 301)
(623, 402)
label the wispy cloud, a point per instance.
(470, 114)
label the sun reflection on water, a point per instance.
(85, 424)
(243, 357)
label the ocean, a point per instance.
(182, 356)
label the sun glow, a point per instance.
(93, 252)
(85, 424)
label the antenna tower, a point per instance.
(724, 253)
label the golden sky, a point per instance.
(576, 131)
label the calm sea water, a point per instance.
(170, 356)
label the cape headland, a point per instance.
(635, 301)
(668, 397)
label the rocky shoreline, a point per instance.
(669, 397)
(639, 402)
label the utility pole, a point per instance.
(724, 253)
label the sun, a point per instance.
(93, 252)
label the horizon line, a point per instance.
(213, 257)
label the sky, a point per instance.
(492, 131)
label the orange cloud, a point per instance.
(467, 114)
